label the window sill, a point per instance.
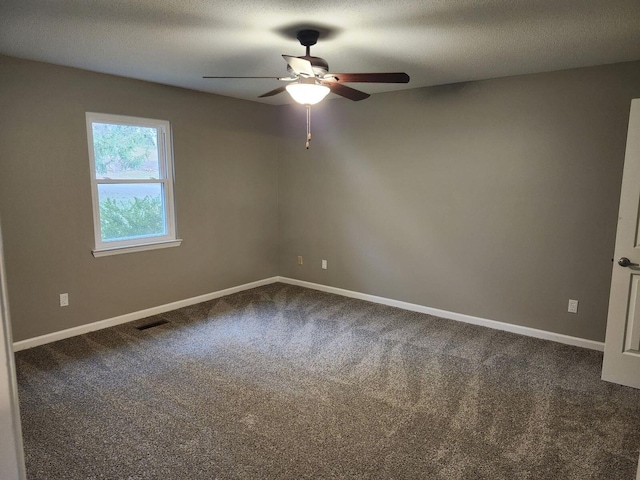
(104, 252)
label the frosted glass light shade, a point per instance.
(307, 93)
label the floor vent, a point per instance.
(152, 324)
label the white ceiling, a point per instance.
(176, 42)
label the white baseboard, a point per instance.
(129, 317)
(483, 322)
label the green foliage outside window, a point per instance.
(121, 147)
(131, 218)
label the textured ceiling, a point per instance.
(176, 42)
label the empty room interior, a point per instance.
(223, 258)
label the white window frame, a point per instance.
(165, 164)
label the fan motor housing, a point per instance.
(319, 65)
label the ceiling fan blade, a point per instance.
(275, 78)
(300, 66)
(273, 92)
(347, 92)
(396, 77)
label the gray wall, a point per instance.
(496, 199)
(226, 194)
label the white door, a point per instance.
(622, 345)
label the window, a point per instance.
(132, 183)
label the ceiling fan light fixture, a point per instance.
(308, 93)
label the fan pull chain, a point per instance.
(308, 126)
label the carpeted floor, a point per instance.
(286, 382)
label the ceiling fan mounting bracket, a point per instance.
(308, 37)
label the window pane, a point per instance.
(131, 210)
(125, 151)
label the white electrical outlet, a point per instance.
(324, 264)
(64, 299)
(573, 306)
(300, 260)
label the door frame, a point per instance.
(11, 447)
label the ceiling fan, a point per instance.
(310, 80)
(305, 71)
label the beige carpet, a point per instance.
(286, 382)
